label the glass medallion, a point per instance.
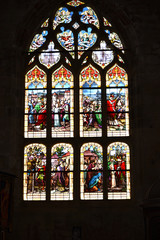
(75, 3)
(46, 23)
(90, 103)
(35, 104)
(91, 176)
(61, 172)
(75, 25)
(117, 102)
(118, 171)
(86, 40)
(62, 16)
(106, 23)
(66, 40)
(50, 56)
(31, 61)
(62, 103)
(88, 16)
(103, 58)
(114, 38)
(34, 187)
(38, 41)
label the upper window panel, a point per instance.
(74, 43)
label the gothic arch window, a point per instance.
(76, 118)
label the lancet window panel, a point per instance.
(118, 156)
(91, 175)
(62, 103)
(117, 102)
(34, 177)
(61, 172)
(90, 103)
(35, 118)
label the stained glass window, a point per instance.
(76, 107)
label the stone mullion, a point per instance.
(49, 126)
(76, 141)
(104, 132)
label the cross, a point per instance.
(89, 70)
(36, 72)
(62, 71)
